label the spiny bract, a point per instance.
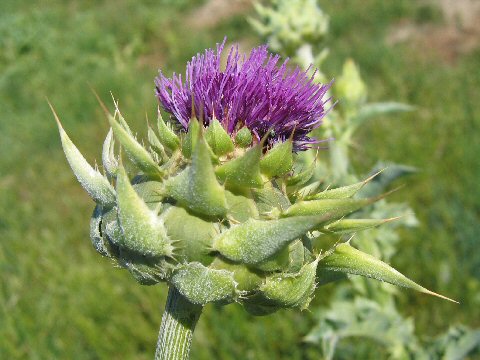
(217, 210)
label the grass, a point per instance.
(58, 299)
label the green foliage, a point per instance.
(287, 24)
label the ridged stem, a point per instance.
(176, 331)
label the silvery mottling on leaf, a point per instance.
(215, 208)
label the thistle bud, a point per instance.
(216, 208)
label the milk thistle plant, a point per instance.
(214, 207)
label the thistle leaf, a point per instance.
(136, 152)
(110, 162)
(243, 171)
(218, 139)
(347, 259)
(256, 240)
(94, 183)
(166, 136)
(196, 187)
(143, 231)
(279, 160)
(291, 290)
(201, 285)
(373, 109)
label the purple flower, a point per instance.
(253, 91)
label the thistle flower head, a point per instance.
(218, 219)
(255, 91)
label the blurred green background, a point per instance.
(59, 300)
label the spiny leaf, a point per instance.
(373, 109)
(94, 183)
(349, 260)
(201, 285)
(196, 187)
(256, 240)
(143, 231)
(279, 160)
(243, 171)
(136, 152)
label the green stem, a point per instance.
(178, 323)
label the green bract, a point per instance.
(222, 220)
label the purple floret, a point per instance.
(251, 91)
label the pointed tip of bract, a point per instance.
(388, 193)
(344, 192)
(94, 183)
(100, 102)
(428, 292)
(349, 260)
(57, 119)
(373, 176)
